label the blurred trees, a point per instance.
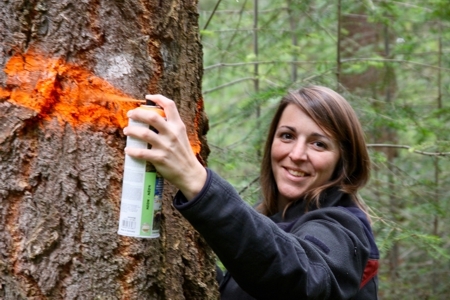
(390, 60)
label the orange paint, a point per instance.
(55, 88)
(196, 145)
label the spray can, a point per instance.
(142, 190)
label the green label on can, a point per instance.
(147, 204)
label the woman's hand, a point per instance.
(171, 152)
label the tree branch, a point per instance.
(212, 14)
(347, 60)
(227, 84)
(259, 63)
(255, 180)
(411, 149)
(394, 61)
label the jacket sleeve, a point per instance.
(322, 257)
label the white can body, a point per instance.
(142, 192)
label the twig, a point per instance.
(338, 48)
(394, 61)
(248, 185)
(409, 148)
(212, 14)
(347, 60)
(260, 63)
(227, 84)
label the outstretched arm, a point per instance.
(322, 256)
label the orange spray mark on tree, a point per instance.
(196, 144)
(55, 88)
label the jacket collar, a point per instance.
(330, 198)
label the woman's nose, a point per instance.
(298, 152)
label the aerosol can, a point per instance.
(142, 189)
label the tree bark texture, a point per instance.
(68, 72)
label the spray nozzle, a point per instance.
(149, 102)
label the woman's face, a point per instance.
(303, 155)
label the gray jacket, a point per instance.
(327, 253)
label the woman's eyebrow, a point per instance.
(320, 135)
(314, 134)
(291, 128)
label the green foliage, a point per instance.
(399, 87)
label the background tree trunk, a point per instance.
(67, 70)
(378, 83)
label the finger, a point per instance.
(138, 153)
(150, 117)
(143, 134)
(154, 154)
(169, 106)
(143, 153)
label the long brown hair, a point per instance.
(335, 116)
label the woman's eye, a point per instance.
(286, 136)
(320, 145)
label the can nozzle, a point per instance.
(149, 102)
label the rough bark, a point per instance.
(66, 68)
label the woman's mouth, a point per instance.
(296, 173)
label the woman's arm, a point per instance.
(322, 257)
(267, 262)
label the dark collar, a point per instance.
(329, 198)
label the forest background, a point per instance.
(390, 60)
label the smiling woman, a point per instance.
(303, 156)
(310, 238)
(334, 128)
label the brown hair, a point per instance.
(336, 117)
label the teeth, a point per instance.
(296, 173)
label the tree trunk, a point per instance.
(362, 35)
(68, 72)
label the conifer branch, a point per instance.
(255, 180)
(212, 14)
(347, 60)
(228, 84)
(384, 60)
(411, 149)
(260, 63)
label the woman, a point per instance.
(310, 237)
